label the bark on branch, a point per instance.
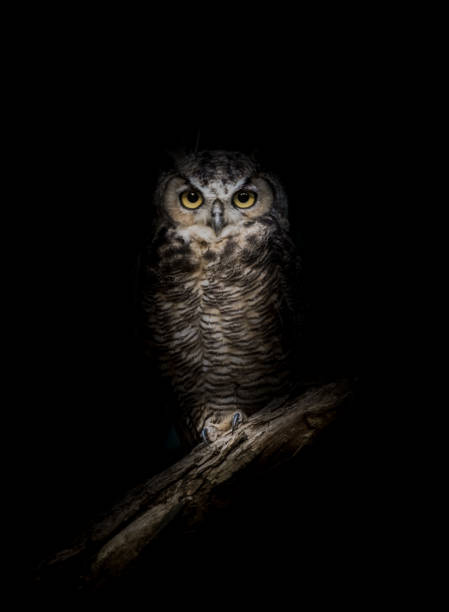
(187, 489)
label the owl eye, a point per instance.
(191, 199)
(244, 199)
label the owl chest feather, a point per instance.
(223, 298)
(218, 324)
(220, 288)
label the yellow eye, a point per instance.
(244, 199)
(191, 199)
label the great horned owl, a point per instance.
(222, 279)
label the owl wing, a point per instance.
(292, 305)
(148, 276)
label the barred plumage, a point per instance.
(222, 280)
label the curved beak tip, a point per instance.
(217, 217)
(217, 223)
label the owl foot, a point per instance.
(210, 433)
(236, 420)
(214, 430)
(205, 435)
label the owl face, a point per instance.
(216, 193)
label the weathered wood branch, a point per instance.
(187, 489)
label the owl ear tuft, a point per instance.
(254, 155)
(176, 154)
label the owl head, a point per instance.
(218, 192)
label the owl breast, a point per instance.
(217, 322)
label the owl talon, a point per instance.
(236, 420)
(205, 435)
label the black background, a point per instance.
(97, 425)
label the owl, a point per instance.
(221, 298)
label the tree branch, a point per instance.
(188, 489)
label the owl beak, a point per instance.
(217, 217)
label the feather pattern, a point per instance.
(222, 310)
